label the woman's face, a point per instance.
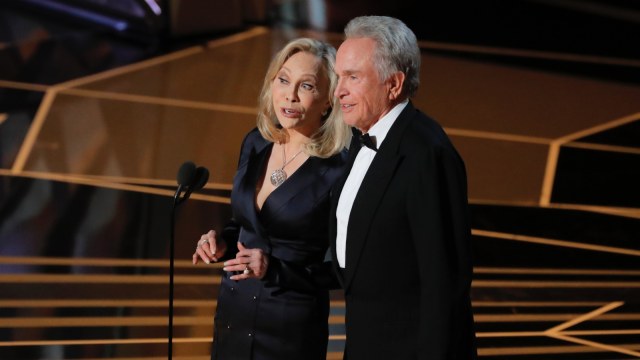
(300, 93)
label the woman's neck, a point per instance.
(295, 141)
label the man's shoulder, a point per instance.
(424, 131)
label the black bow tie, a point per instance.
(367, 141)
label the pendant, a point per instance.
(278, 177)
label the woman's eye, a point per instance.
(308, 87)
(283, 80)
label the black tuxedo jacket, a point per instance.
(408, 254)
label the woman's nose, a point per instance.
(291, 96)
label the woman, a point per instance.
(273, 301)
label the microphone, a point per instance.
(186, 176)
(200, 178)
(190, 178)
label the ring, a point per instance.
(247, 271)
(201, 242)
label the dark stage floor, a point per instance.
(542, 99)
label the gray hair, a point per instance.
(397, 48)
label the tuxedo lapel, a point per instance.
(365, 205)
(371, 192)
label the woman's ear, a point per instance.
(327, 109)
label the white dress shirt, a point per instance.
(361, 164)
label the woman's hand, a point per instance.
(209, 249)
(252, 263)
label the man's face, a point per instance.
(364, 97)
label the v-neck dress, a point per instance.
(284, 315)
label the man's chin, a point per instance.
(351, 121)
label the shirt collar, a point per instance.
(380, 129)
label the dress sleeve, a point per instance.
(230, 234)
(310, 279)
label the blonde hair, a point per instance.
(333, 134)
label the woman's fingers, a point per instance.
(249, 263)
(213, 245)
(206, 248)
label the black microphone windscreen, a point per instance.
(201, 178)
(186, 173)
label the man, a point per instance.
(401, 234)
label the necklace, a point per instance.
(278, 176)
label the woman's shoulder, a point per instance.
(254, 140)
(253, 137)
(337, 160)
(252, 143)
(342, 156)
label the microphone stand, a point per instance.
(190, 179)
(176, 202)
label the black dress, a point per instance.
(284, 315)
